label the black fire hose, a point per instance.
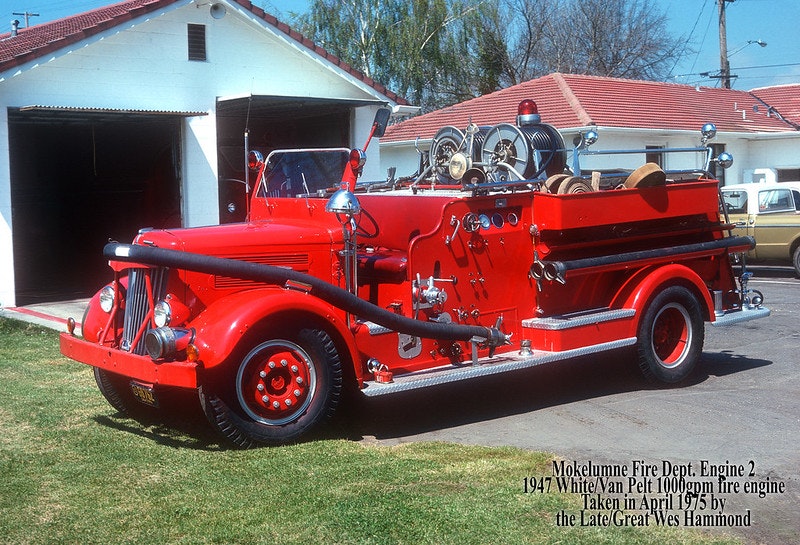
(558, 269)
(334, 295)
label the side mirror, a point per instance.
(380, 122)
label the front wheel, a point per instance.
(670, 335)
(114, 389)
(280, 390)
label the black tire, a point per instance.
(670, 335)
(279, 391)
(112, 388)
(116, 389)
(796, 261)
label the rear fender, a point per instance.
(221, 326)
(642, 285)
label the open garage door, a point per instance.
(78, 179)
(273, 122)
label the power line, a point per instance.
(27, 16)
(767, 66)
(689, 39)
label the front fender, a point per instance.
(638, 289)
(221, 326)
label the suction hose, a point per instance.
(553, 270)
(334, 295)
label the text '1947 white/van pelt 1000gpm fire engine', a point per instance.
(498, 255)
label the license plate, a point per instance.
(144, 393)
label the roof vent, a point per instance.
(14, 27)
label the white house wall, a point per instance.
(142, 65)
(6, 248)
(776, 153)
(403, 156)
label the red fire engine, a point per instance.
(499, 254)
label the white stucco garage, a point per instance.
(134, 114)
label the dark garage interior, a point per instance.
(79, 179)
(273, 123)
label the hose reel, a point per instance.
(524, 152)
(450, 141)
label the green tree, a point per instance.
(425, 50)
(439, 52)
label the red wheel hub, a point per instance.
(671, 335)
(276, 381)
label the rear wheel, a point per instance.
(796, 261)
(671, 335)
(281, 389)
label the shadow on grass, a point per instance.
(177, 423)
(170, 433)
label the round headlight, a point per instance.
(162, 314)
(107, 298)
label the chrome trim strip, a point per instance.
(375, 329)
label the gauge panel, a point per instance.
(502, 219)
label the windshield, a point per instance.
(295, 173)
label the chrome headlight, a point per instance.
(162, 314)
(165, 343)
(107, 296)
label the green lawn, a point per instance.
(73, 471)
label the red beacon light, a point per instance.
(254, 160)
(357, 159)
(528, 113)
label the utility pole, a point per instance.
(27, 16)
(724, 64)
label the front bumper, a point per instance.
(181, 374)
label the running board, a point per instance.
(501, 363)
(579, 319)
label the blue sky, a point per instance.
(771, 21)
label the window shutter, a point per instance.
(197, 42)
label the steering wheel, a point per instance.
(368, 231)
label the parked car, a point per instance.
(771, 214)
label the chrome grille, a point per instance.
(137, 304)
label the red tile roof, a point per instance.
(37, 41)
(567, 101)
(785, 99)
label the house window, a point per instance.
(717, 171)
(653, 156)
(197, 42)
